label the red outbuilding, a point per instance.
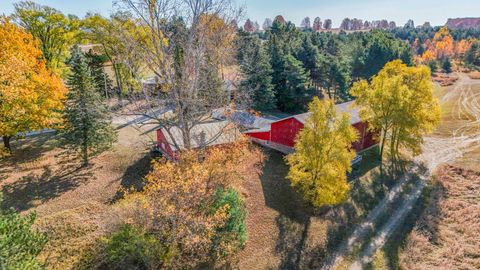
(282, 133)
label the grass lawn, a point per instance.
(284, 233)
(71, 202)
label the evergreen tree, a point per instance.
(19, 243)
(102, 82)
(447, 65)
(312, 60)
(87, 127)
(293, 91)
(256, 68)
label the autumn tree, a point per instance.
(248, 26)
(399, 103)
(193, 209)
(55, 31)
(30, 95)
(112, 35)
(87, 129)
(323, 155)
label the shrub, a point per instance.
(232, 235)
(132, 248)
(447, 65)
(19, 243)
(433, 65)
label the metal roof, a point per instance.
(206, 134)
(347, 107)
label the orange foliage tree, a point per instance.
(178, 198)
(443, 46)
(30, 95)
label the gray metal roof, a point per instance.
(347, 107)
(206, 134)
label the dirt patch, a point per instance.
(446, 234)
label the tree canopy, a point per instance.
(399, 103)
(30, 95)
(323, 155)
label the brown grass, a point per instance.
(444, 79)
(474, 75)
(284, 233)
(72, 203)
(446, 236)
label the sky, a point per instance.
(435, 11)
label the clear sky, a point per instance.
(434, 11)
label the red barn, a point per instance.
(281, 134)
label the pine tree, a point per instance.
(256, 68)
(293, 91)
(87, 129)
(102, 82)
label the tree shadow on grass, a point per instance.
(27, 152)
(34, 189)
(293, 220)
(134, 177)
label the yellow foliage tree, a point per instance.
(399, 103)
(323, 155)
(178, 197)
(30, 95)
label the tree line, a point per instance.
(286, 68)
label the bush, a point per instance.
(447, 65)
(19, 244)
(132, 248)
(232, 236)
(433, 65)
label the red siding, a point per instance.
(285, 131)
(264, 135)
(163, 145)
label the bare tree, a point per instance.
(186, 45)
(306, 24)
(317, 24)
(327, 24)
(267, 24)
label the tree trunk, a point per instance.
(6, 143)
(382, 146)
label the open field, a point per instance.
(457, 139)
(446, 234)
(70, 201)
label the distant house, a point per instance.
(280, 135)
(215, 133)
